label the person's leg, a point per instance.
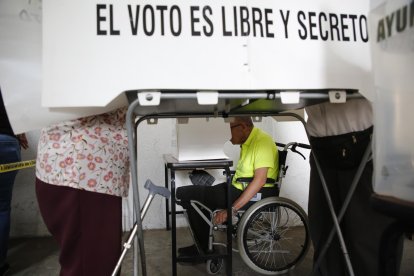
(59, 207)
(321, 223)
(9, 153)
(86, 225)
(390, 250)
(198, 226)
(101, 239)
(213, 197)
(365, 227)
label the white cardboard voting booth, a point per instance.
(204, 45)
(393, 67)
(198, 140)
(80, 56)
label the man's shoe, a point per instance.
(188, 254)
(189, 251)
(4, 269)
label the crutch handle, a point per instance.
(154, 189)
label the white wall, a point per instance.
(154, 142)
(296, 183)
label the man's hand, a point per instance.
(220, 217)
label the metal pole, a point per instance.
(130, 120)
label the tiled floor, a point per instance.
(39, 256)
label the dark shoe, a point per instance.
(189, 251)
(4, 269)
(187, 255)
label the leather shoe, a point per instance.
(188, 251)
(188, 254)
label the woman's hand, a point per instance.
(23, 140)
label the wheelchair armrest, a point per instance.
(250, 179)
(232, 172)
(244, 179)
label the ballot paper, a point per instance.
(202, 139)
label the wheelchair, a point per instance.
(272, 234)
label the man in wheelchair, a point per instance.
(258, 160)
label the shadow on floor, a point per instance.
(33, 256)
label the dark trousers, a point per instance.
(86, 225)
(361, 226)
(9, 153)
(214, 197)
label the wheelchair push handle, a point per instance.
(292, 146)
(156, 190)
(305, 146)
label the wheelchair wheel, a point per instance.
(273, 236)
(214, 265)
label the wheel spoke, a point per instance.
(275, 237)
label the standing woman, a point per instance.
(9, 153)
(82, 173)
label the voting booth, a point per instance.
(393, 59)
(393, 67)
(393, 64)
(213, 59)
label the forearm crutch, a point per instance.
(153, 190)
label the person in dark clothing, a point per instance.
(9, 153)
(339, 135)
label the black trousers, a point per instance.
(361, 226)
(214, 197)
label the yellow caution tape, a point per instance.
(17, 166)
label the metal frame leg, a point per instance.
(132, 147)
(229, 258)
(173, 225)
